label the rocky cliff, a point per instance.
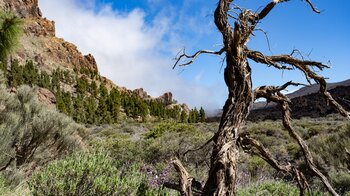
(22, 8)
(39, 42)
(49, 52)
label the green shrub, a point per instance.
(269, 188)
(162, 128)
(88, 174)
(3, 186)
(120, 147)
(331, 147)
(272, 188)
(256, 166)
(341, 182)
(170, 139)
(31, 131)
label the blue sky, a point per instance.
(135, 41)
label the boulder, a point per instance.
(46, 96)
(141, 93)
(166, 98)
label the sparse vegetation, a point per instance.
(126, 145)
(88, 174)
(141, 151)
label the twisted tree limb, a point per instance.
(199, 148)
(193, 57)
(271, 93)
(263, 153)
(184, 179)
(305, 67)
(237, 75)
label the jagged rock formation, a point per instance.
(166, 98)
(141, 93)
(40, 44)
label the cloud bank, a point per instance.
(129, 50)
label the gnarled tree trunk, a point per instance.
(223, 169)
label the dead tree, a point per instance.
(237, 74)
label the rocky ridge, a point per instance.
(40, 44)
(308, 102)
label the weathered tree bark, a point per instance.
(184, 178)
(223, 169)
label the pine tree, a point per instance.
(102, 109)
(82, 85)
(16, 74)
(93, 89)
(67, 100)
(60, 103)
(55, 81)
(193, 116)
(90, 110)
(10, 32)
(201, 115)
(44, 80)
(184, 117)
(30, 74)
(114, 104)
(79, 111)
(103, 90)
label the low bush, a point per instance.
(33, 132)
(162, 128)
(272, 188)
(268, 188)
(90, 174)
(341, 182)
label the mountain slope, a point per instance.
(308, 102)
(73, 77)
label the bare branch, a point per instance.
(298, 52)
(266, 36)
(7, 164)
(264, 12)
(290, 83)
(184, 179)
(173, 186)
(284, 58)
(267, 9)
(260, 58)
(192, 58)
(201, 147)
(264, 153)
(231, 16)
(273, 93)
(245, 140)
(313, 7)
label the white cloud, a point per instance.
(127, 49)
